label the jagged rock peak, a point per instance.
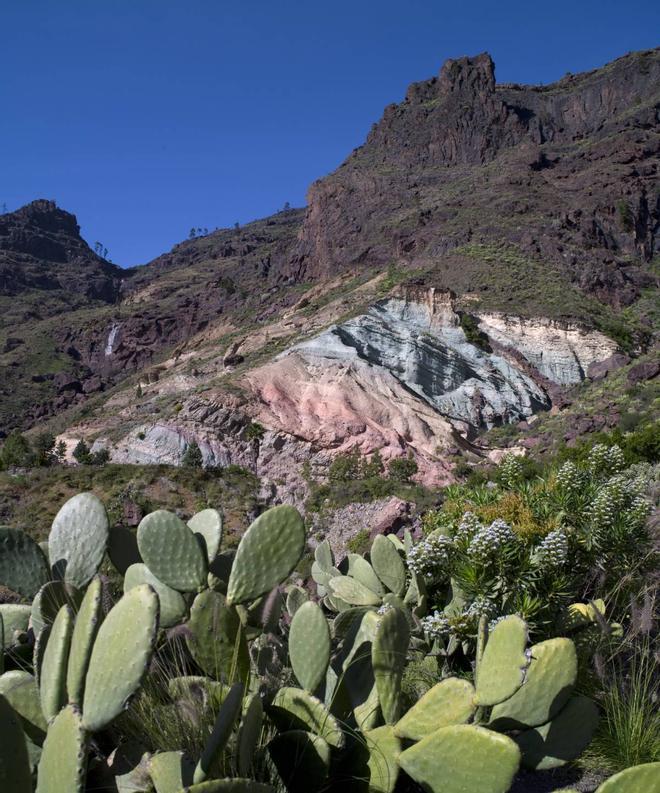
(472, 75)
(46, 215)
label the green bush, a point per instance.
(402, 469)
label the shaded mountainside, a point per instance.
(458, 272)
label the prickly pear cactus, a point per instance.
(309, 646)
(52, 679)
(208, 524)
(302, 760)
(120, 656)
(63, 763)
(388, 565)
(292, 708)
(452, 701)
(388, 656)
(224, 724)
(88, 622)
(173, 608)
(23, 566)
(462, 758)
(249, 732)
(501, 671)
(78, 539)
(268, 552)
(171, 551)
(643, 778)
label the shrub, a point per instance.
(82, 453)
(402, 469)
(192, 457)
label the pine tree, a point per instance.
(193, 456)
(82, 453)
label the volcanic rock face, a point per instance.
(566, 172)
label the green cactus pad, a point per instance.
(344, 623)
(267, 553)
(449, 702)
(123, 549)
(208, 525)
(40, 644)
(23, 566)
(564, 738)
(78, 539)
(216, 639)
(171, 551)
(504, 663)
(352, 591)
(360, 569)
(388, 656)
(173, 608)
(549, 683)
(15, 776)
(643, 778)
(120, 656)
(52, 679)
(309, 646)
(293, 708)
(323, 555)
(63, 763)
(249, 732)
(170, 771)
(21, 691)
(357, 695)
(322, 576)
(302, 760)
(462, 758)
(222, 729)
(384, 749)
(48, 602)
(15, 620)
(88, 622)
(388, 564)
(295, 597)
(229, 786)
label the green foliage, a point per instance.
(626, 218)
(82, 453)
(402, 469)
(16, 451)
(254, 431)
(192, 457)
(470, 325)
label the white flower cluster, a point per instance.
(430, 555)
(480, 606)
(552, 552)
(511, 471)
(489, 540)
(435, 625)
(620, 497)
(468, 527)
(606, 460)
(384, 609)
(570, 479)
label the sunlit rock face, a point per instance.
(426, 351)
(560, 352)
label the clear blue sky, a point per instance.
(147, 117)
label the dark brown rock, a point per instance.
(644, 371)
(599, 370)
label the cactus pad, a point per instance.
(78, 539)
(21, 692)
(216, 639)
(23, 566)
(208, 525)
(295, 597)
(15, 620)
(63, 763)
(309, 646)
(564, 738)
(388, 656)
(229, 786)
(352, 591)
(550, 680)
(449, 702)
(170, 771)
(643, 778)
(462, 758)
(502, 668)
(224, 724)
(388, 564)
(120, 656)
(52, 679)
(360, 569)
(15, 773)
(48, 602)
(384, 749)
(171, 551)
(302, 760)
(87, 624)
(267, 553)
(293, 708)
(173, 607)
(249, 732)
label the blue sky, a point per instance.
(148, 117)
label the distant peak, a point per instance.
(45, 215)
(472, 74)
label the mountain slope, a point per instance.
(456, 273)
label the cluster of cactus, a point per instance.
(331, 704)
